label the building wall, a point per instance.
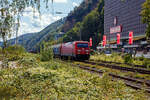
(127, 13)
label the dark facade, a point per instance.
(122, 16)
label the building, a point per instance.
(122, 17)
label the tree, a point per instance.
(92, 25)
(10, 12)
(73, 34)
(146, 17)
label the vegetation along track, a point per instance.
(131, 82)
(139, 66)
(139, 70)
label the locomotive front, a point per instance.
(82, 50)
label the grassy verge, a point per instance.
(55, 80)
(118, 58)
(117, 72)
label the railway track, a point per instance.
(109, 62)
(112, 66)
(129, 81)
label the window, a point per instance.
(82, 45)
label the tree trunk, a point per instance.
(4, 40)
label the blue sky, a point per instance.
(31, 22)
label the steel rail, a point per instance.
(112, 66)
(140, 66)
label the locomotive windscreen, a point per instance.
(82, 45)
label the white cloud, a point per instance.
(60, 1)
(32, 22)
(75, 4)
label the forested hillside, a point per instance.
(44, 35)
(79, 13)
(31, 41)
(92, 25)
(22, 39)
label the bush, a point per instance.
(14, 52)
(0, 50)
(0, 53)
(13, 57)
(141, 58)
(5, 63)
(128, 58)
(146, 62)
(15, 49)
(93, 52)
(6, 92)
(28, 61)
(46, 53)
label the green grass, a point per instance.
(117, 72)
(103, 57)
(119, 58)
(56, 80)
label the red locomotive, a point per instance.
(79, 50)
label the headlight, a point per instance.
(87, 50)
(79, 50)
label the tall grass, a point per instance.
(13, 53)
(58, 80)
(0, 50)
(15, 49)
(114, 57)
(121, 58)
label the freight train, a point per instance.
(78, 50)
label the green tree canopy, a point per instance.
(92, 25)
(10, 12)
(146, 16)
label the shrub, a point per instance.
(128, 58)
(146, 62)
(114, 54)
(5, 63)
(13, 57)
(51, 65)
(14, 52)
(0, 50)
(28, 61)
(93, 52)
(141, 58)
(46, 53)
(15, 49)
(6, 92)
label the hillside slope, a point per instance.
(22, 39)
(43, 35)
(78, 14)
(31, 41)
(92, 25)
